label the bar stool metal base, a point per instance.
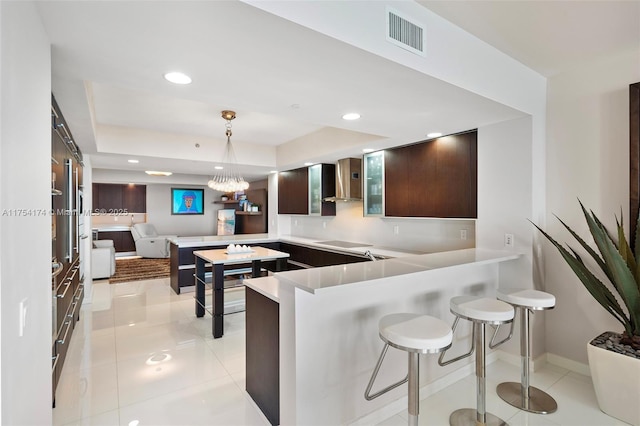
(468, 417)
(539, 401)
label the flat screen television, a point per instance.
(187, 201)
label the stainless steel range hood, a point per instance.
(348, 180)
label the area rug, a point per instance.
(139, 269)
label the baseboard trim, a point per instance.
(437, 385)
(569, 364)
(546, 358)
(516, 360)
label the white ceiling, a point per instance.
(289, 85)
(547, 36)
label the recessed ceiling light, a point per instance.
(156, 173)
(273, 171)
(351, 116)
(367, 150)
(133, 161)
(434, 135)
(308, 164)
(177, 77)
(218, 167)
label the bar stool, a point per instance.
(522, 395)
(481, 311)
(415, 334)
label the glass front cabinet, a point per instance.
(315, 189)
(374, 184)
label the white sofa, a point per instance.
(103, 259)
(148, 242)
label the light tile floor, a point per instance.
(139, 356)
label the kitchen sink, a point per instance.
(344, 244)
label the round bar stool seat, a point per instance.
(480, 311)
(416, 334)
(522, 395)
(531, 299)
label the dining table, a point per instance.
(216, 260)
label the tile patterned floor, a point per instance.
(140, 357)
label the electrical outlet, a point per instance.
(396, 229)
(508, 240)
(463, 234)
(295, 222)
(324, 224)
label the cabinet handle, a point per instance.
(62, 296)
(69, 175)
(55, 362)
(75, 208)
(79, 291)
(64, 338)
(73, 310)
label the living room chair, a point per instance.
(103, 259)
(148, 242)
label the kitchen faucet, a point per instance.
(370, 255)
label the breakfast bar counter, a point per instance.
(327, 329)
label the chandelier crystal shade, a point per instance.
(228, 179)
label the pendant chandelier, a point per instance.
(228, 178)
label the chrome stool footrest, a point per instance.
(367, 392)
(415, 334)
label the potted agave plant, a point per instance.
(614, 358)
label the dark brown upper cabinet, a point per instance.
(118, 198)
(436, 178)
(294, 186)
(293, 191)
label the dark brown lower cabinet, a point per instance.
(303, 256)
(122, 240)
(263, 353)
(68, 295)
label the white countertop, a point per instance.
(221, 256)
(110, 228)
(200, 241)
(222, 240)
(267, 286)
(332, 277)
(378, 251)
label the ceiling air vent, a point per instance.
(405, 33)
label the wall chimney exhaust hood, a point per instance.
(348, 180)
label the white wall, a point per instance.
(505, 198)
(159, 212)
(25, 245)
(587, 158)
(414, 234)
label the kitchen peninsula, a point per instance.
(324, 321)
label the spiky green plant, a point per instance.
(618, 263)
